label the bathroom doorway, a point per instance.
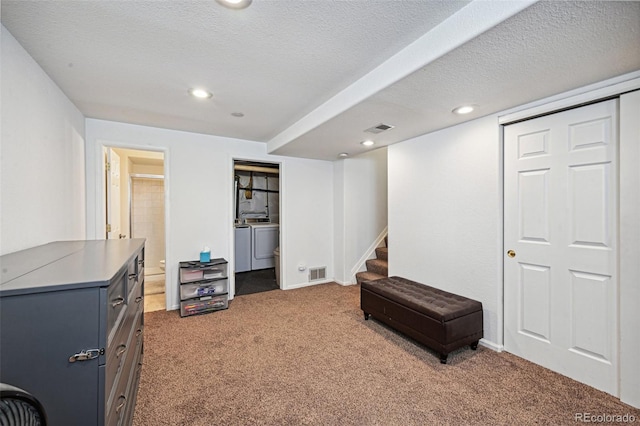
(140, 211)
(147, 221)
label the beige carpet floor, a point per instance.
(307, 357)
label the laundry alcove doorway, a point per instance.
(256, 226)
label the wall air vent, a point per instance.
(317, 274)
(379, 128)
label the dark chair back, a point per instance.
(19, 408)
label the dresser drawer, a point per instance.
(116, 355)
(140, 263)
(132, 390)
(203, 288)
(116, 302)
(121, 410)
(132, 277)
(123, 339)
(122, 362)
(133, 302)
(136, 297)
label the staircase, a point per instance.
(376, 268)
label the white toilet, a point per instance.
(162, 265)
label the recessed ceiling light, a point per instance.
(200, 93)
(367, 143)
(235, 4)
(237, 114)
(343, 155)
(464, 109)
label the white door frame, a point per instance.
(629, 208)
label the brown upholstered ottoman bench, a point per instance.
(440, 320)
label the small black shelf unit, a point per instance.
(204, 286)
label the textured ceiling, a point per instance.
(548, 48)
(133, 61)
(285, 63)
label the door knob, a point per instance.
(511, 253)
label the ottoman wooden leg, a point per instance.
(474, 345)
(443, 358)
(366, 316)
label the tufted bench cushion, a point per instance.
(441, 320)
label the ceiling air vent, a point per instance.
(379, 128)
(316, 274)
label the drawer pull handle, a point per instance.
(124, 401)
(138, 332)
(133, 276)
(139, 299)
(121, 349)
(117, 301)
(86, 355)
(141, 262)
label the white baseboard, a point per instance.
(489, 344)
(344, 283)
(301, 285)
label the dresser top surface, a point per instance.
(65, 264)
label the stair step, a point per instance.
(367, 276)
(377, 266)
(382, 253)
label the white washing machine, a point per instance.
(265, 237)
(243, 248)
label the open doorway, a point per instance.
(256, 226)
(135, 191)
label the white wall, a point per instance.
(444, 213)
(445, 216)
(306, 218)
(361, 210)
(339, 222)
(42, 162)
(199, 194)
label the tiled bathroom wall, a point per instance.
(147, 219)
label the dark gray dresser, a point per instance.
(71, 328)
